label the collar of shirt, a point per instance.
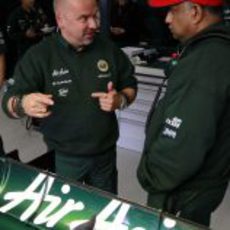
(69, 46)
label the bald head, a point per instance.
(57, 4)
(77, 20)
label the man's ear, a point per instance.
(197, 14)
(59, 19)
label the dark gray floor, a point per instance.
(30, 145)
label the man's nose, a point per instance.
(168, 18)
(93, 23)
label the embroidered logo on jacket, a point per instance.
(55, 83)
(171, 127)
(63, 92)
(107, 75)
(59, 73)
(103, 65)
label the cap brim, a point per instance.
(163, 3)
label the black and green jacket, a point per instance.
(187, 149)
(77, 124)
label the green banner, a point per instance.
(45, 201)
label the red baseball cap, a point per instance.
(165, 3)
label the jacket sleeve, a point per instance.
(177, 150)
(124, 70)
(27, 78)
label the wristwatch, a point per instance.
(17, 106)
(124, 101)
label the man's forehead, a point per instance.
(77, 6)
(75, 2)
(82, 3)
(180, 5)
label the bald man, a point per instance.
(74, 81)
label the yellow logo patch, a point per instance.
(103, 65)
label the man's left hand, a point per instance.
(109, 101)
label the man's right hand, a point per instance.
(37, 104)
(34, 105)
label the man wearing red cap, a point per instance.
(185, 167)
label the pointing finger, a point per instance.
(110, 86)
(45, 99)
(99, 95)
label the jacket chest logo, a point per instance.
(103, 65)
(63, 92)
(59, 73)
(60, 77)
(171, 127)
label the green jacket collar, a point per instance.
(67, 45)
